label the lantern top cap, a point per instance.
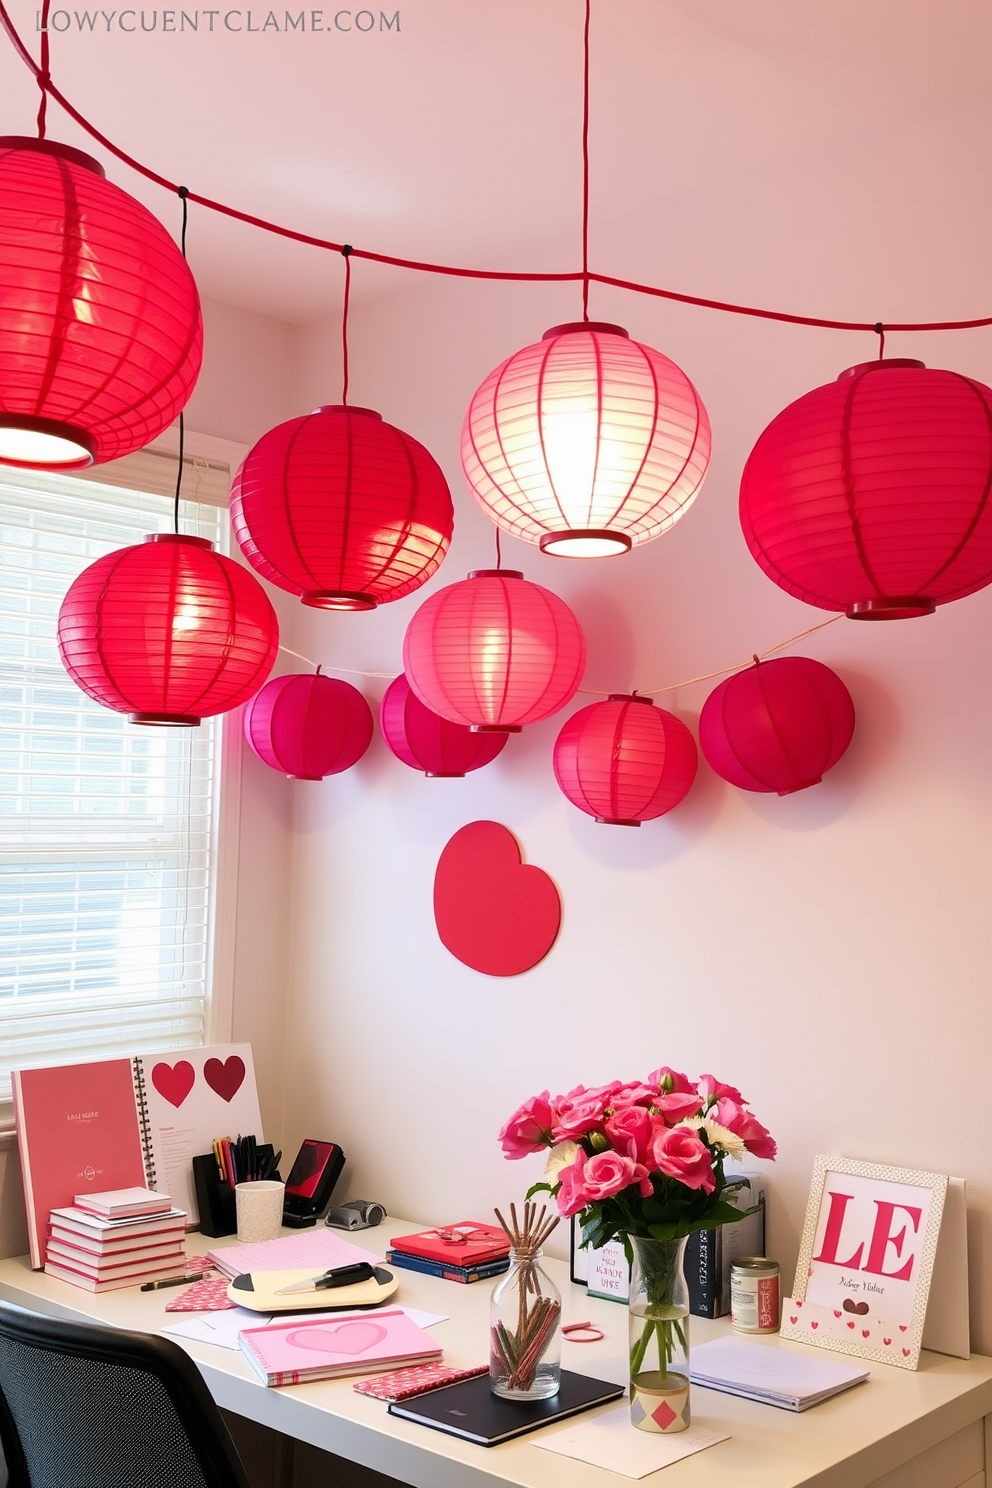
(496, 573)
(571, 326)
(52, 147)
(885, 364)
(345, 408)
(630, 697)
(183, 538)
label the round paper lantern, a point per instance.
(342, 509)
(779, 726)
(494, 652)
(871, 495)
(586, 443)
(168, 631)
(308, 726)
(100, 328)
(425, 741)
(625, 760)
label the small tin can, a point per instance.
(754, 1295)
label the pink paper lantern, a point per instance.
(625, 761)
(494, 652)
(425, 741)
(308, 726)
(779, 726)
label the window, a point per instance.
(106, 830)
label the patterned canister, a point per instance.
(754, 1295)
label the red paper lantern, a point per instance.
(625, 760)
(425, 741)
(308, 726)
(494, 652)
(342, 509)
(779, 726)
(871, 495)
(100, 328)
(586, 443)
(168, 631)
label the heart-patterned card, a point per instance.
(855, 1330)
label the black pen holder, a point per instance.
(215, 1198)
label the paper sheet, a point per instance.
(611, 1442)
(222, 1328)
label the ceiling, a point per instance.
(456, 137)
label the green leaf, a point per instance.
(538, 1187)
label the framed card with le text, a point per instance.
(866, 1260)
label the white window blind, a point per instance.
(106, 829)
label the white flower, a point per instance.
(560, 1157)
(717, 1135)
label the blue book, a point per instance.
(445, 1269)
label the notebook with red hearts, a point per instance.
(294, 1352)
(127, 1123)
(466, 1243)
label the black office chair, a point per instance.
(88, 1407)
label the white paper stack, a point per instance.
(773, 1376)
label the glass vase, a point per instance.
(659, 1336)
(525, 1331)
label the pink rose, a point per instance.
(711, 1090)
(608, 1172)
(604, 1093)
(630, 1131)
(572, 1195)
(577, 1113)
(529, 1128)
(750, 1130)
(678, 1105)
(634, 1093)
(679, 1153)
(670, 1080)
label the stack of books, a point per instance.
(465, 1252)
(107, 1240)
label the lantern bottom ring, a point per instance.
(585, 542)
(496, 728)
(445, 774)
(616, 821)
(304, 777)
(338, 599)
(164, 720)
(804, 785)
(44, 444)
(894, 607)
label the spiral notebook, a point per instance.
(123, 1123)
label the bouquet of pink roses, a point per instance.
(643, 1158)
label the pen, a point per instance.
(340, 1277)
(153, 1286)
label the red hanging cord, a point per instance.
(585, 163)
(44, 74)
(422, 266)
(880, 333)
(347, 252)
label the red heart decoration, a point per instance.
(865, 1332)
(347, 1338)
(174, 1081)
(905, 1353)
(493, 912)
(850, 1325)
(814, 1325)
(886, 1341)
(903, 1327)
(793, 1320)
(837, 1314)
(799, 1304)
(227, 1078)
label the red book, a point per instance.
(466, 1243)
(120, 1265)
(147, 1272)
(97, 1246)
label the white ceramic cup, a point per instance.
(259, 1209)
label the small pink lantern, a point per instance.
(779, 726)
(426, 741)
(624, 761)
(309, 726)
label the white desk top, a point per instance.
(847, 1442)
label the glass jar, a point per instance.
(525, 1331)
(659, 1336)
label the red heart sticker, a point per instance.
(814, 1325)
(174, 1081)
(886, 1341)
(493, 912)
(347, 1338)
(227, 1078)
(865, 1332)
(903, 1327)
(837, 1314)
(905, 1353)
(793, 1320)
(850, 1325)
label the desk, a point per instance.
(868, 1436)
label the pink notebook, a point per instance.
(293, 1352)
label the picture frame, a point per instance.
(886, 1222)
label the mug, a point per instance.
(259, 1209)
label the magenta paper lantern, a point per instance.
(309, 726)
(494, 652)
(425, 741)
(779, 726)
(871, 495)
(625, 761)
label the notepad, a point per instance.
(320, 1249)
(293, 1353)
(770, 1375)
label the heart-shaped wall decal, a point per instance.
(861, 1308)
(227, 1078)
(493, 912)
(356, 1337)
(174, 1081)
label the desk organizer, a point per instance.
(215, 1198)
